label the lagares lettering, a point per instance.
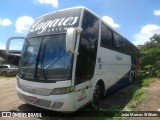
(40, 26)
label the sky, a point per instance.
(136, 20)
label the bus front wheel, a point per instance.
(98, 93)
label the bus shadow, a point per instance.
(118, 101)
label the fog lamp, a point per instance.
(57, 105)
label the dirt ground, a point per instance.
(8, 98)
(10, 101)
(152, 99)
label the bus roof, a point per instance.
(82, 8)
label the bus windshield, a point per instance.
(45, 58)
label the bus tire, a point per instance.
(98, 93)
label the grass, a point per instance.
(7, 77)
(146, 82)
(138, 95)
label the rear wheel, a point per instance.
(132, 77)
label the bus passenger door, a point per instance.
(84, 72)
(86, 59)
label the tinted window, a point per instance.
(90, 27)
(87, 48)
(117, 39)
(121, 44)
(106, 37)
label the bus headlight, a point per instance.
(64, 90)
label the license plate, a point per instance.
(33, 99)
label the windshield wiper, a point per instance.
(42, 62)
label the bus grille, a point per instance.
(40, 102)
(38, 91)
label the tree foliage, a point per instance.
(150, 57)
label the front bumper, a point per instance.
(63, 103)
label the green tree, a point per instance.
(150, 57)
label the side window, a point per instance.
(117, 40)
(87, 48)
(106, 37)
(90, 26)
(120, 44)
(124, 45)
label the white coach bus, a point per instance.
(72, 57)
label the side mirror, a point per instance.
(71, 38)
(13, 52)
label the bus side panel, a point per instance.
(113, 68)
(119, 84)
